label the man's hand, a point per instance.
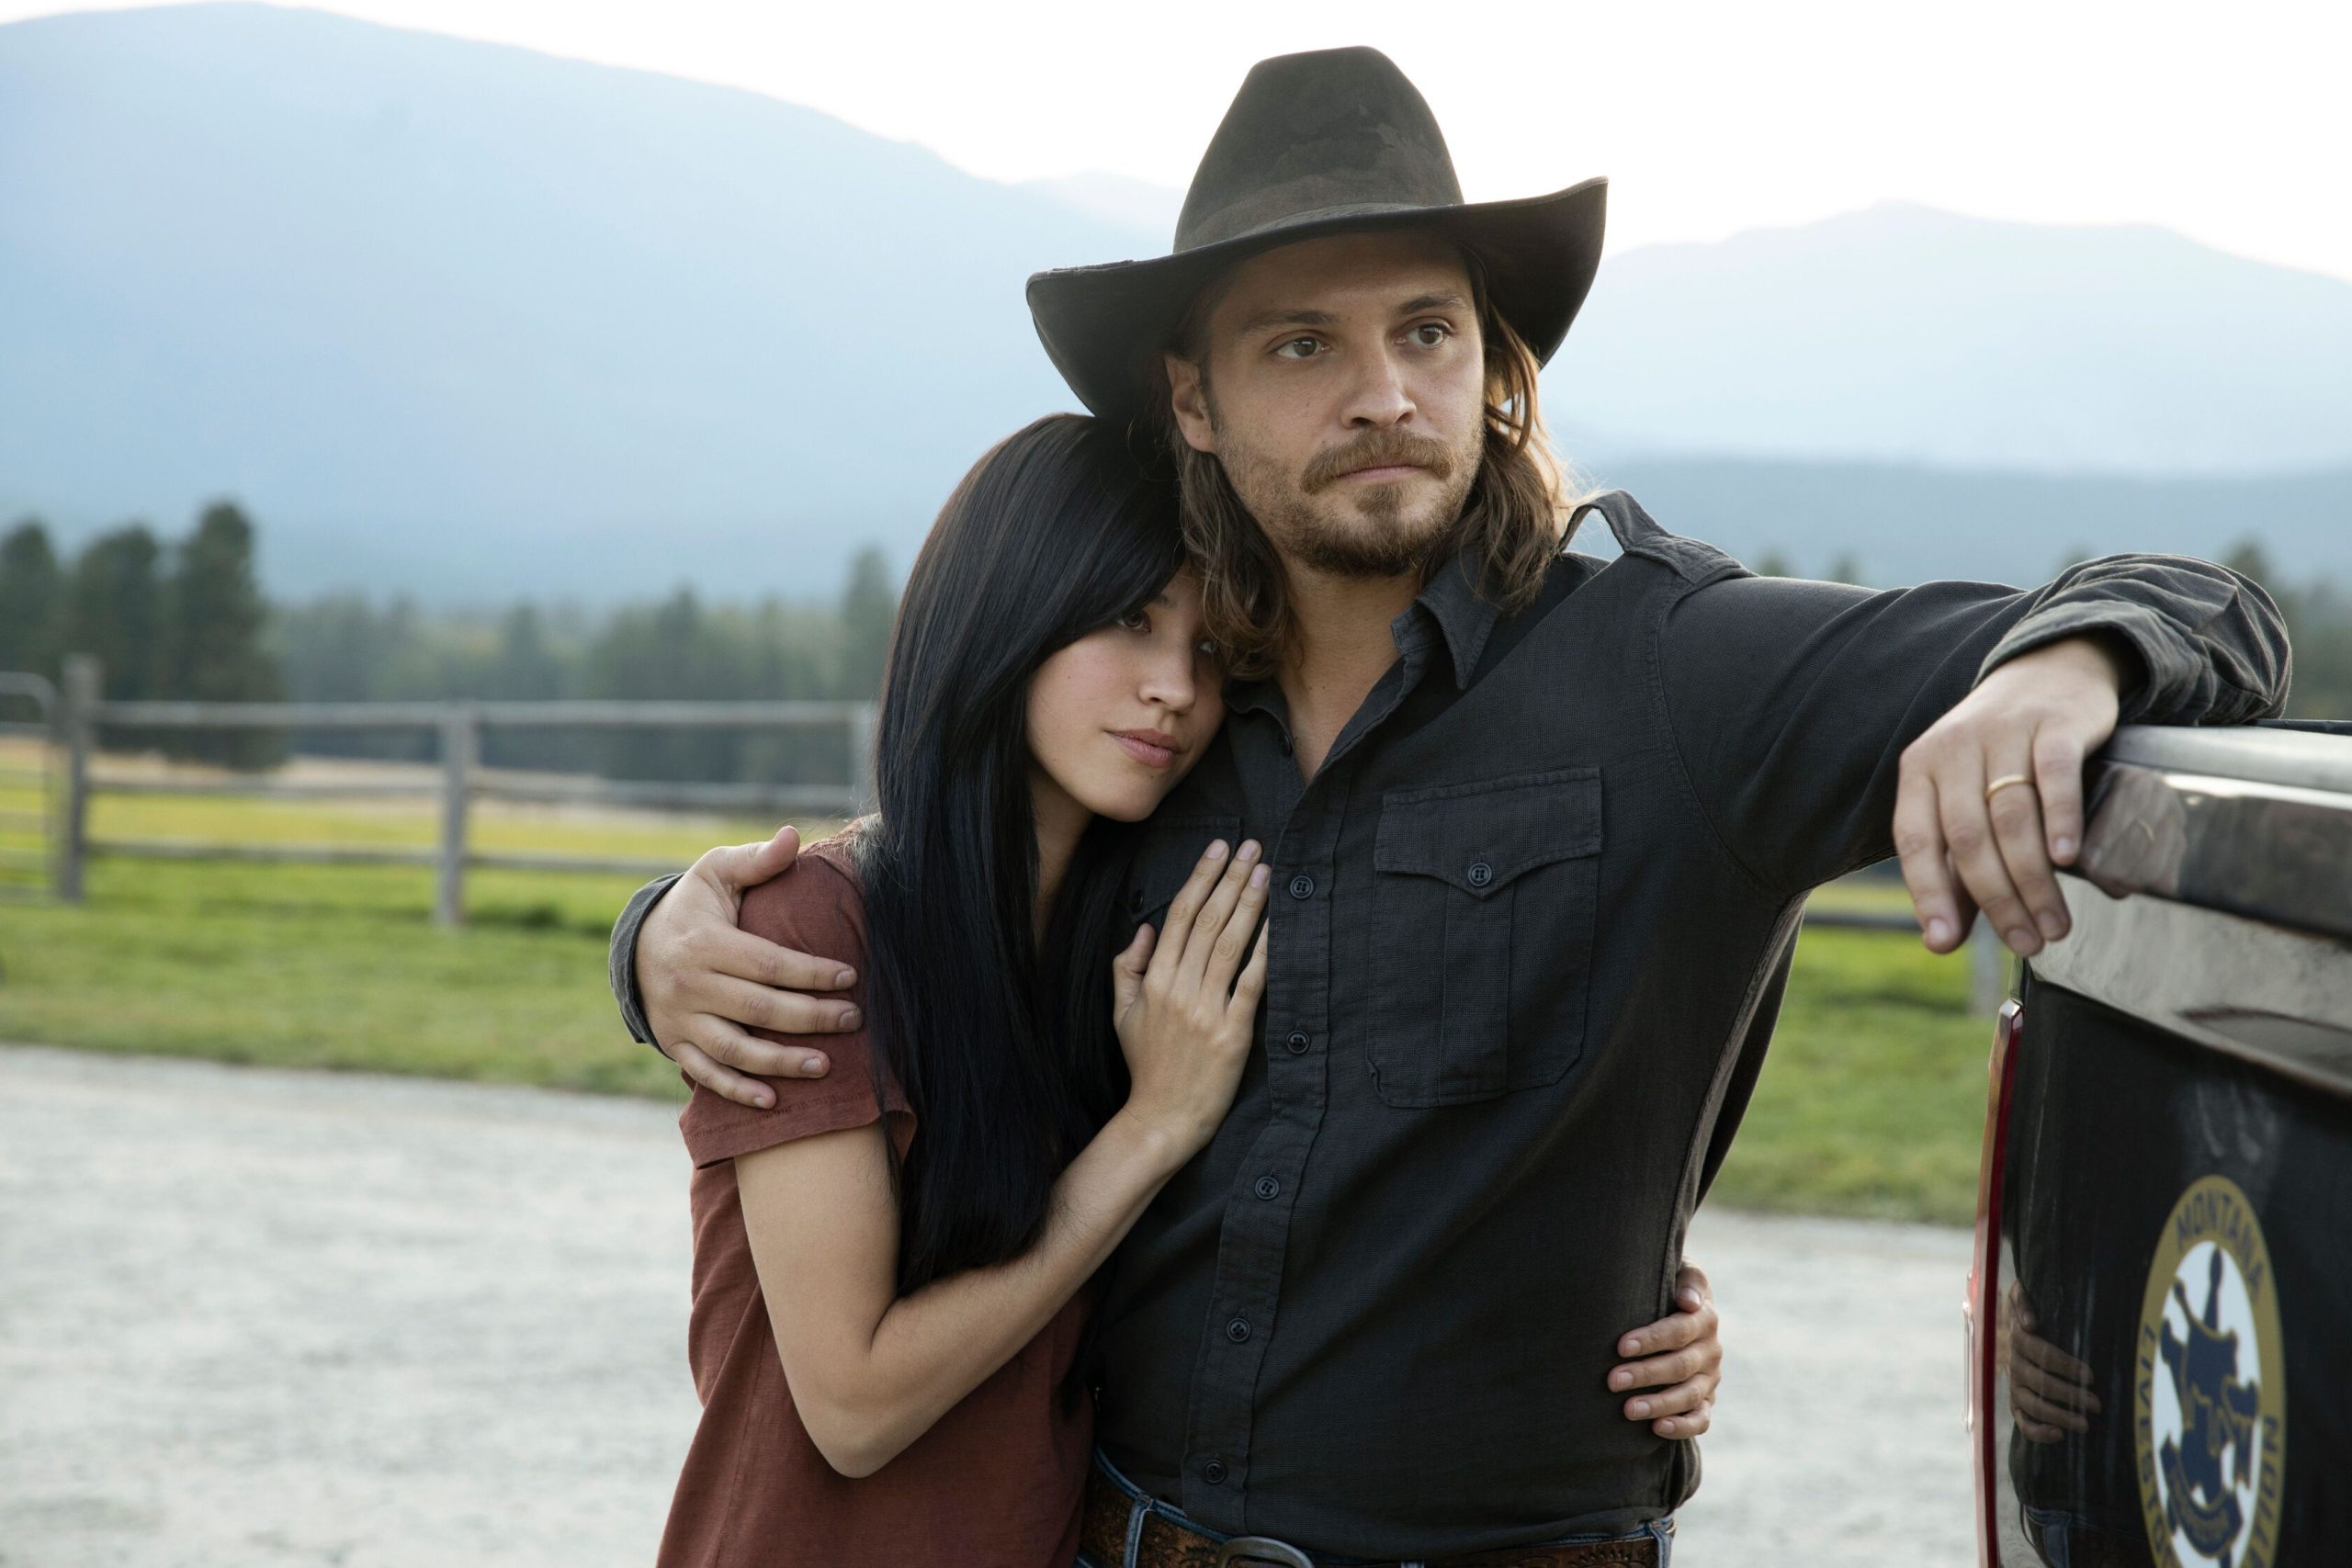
(704, 981)
(1683, 1361)
(2031, 722)
(2050, 1391)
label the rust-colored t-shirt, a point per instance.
(996, 1484)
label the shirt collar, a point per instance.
(1464, 618)
(1463, 614)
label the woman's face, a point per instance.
(1119, 716)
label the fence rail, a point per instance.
(43, 863)
(549, 715)
(80, 712)
(76, 715)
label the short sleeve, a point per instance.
(814, 908)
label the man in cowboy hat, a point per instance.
(1542, 825)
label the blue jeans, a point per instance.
(1145, 1504)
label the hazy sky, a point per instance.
(2229, 124)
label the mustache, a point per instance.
(1377, 448)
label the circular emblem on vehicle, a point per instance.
(2209, 1390)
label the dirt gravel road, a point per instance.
(251, 1318)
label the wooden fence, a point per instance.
(79, 710)
(24, 871)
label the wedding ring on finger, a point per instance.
(2004, 782)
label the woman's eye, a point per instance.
(1305, 347)
(1137, 620)
(1207, 649)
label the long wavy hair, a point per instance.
(1510, 525)
(1003, 1046)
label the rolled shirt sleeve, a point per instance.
(621, 960)
(1791, 702)
(2211, 645)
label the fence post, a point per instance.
(460, 740)
(861, 759)
(1988, 970)
(78, 720)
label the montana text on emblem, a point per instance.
(2210, 1388)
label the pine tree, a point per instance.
(31, 599)
(113, 609)
(869, 607)
(651, 652)
(526, 667)
(214, 622)
(2248, 556)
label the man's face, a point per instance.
(1342, 386)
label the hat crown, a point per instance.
(1313, 135)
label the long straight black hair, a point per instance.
(1003, 1048)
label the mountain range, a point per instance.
(472, 322)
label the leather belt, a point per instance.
(1167, 1544)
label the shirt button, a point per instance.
(1269, 1187)
(1299, 1044)
(1481, 873)
(1214, 1472)
(1238, 1330)
(1302, 886)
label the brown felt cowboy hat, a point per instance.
(1328, 142)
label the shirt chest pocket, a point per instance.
(1482, 935)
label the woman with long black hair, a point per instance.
(889, 1264)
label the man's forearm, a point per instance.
(621, 961)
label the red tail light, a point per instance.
(1979, 1309)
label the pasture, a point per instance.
(1870, 1104)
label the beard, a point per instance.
(1378, 530)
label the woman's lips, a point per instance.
(1151, 754)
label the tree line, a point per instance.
(187, 618)
(348, 648)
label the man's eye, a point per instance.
(1305, 347)
(1428, 334)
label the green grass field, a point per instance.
(1870, 1104)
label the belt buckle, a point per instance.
(1260, 1552)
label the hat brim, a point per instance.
(1106, 327)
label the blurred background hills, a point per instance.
(469, 324)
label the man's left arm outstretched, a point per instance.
(1824, 726)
